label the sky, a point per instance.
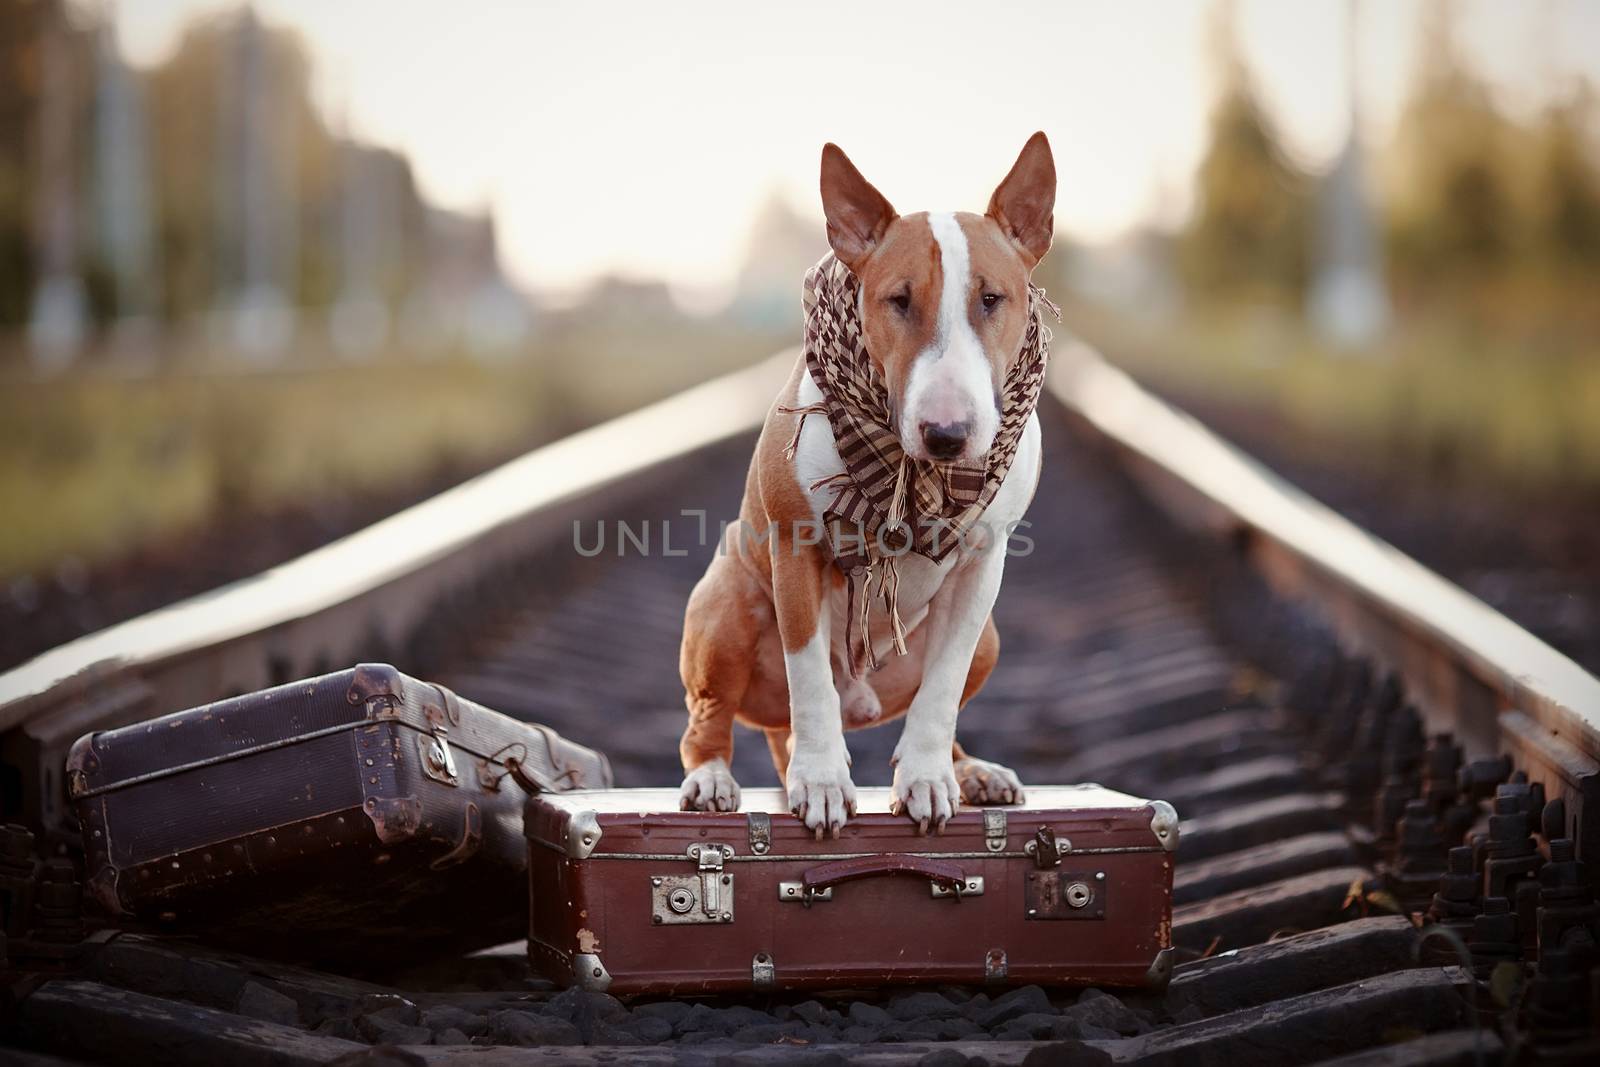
(642, 138)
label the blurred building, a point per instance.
(462, 299)
(783, 244)
(256, 189)
(369, 231)
(125, 239)
(1347, 303)
(59, 315)
(1135, 274)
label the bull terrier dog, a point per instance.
(792, 634)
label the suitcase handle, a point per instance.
(514, 757)
(942, 873)
(529, 779)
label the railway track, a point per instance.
(1327, 717)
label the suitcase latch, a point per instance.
(437, 763)
(760, 824)
(994, 829)
(1047, 849)
(704, 897)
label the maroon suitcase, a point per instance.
(631, 895)
(360, 812)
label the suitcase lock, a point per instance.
(703, 897)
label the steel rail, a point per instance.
(1471, 670)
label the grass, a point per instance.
(93, 466)
(1454, 401)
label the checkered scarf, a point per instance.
(886, 503)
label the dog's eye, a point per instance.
(992, 300)
(901, 302)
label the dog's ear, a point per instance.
(857, 214)
(1024, 205)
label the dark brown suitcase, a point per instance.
(631, 895)
(362, 811)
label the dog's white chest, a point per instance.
(816, 458)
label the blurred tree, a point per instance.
(183, 97)
(1566, 188)
(1452, 211)
(199, 229)
(19, 91)
(23, 28)
(1248, 235)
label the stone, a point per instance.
(451, 1036)
(600, 1032)
(594, 1014)
(818, 1034)
(1038, 1026)
(777, 1056)
(407, 1035)
(945, 1057)
(812, 1011)
(380, 1056)
(672, 1011)
(911, 1006)
(513, 1027)
(1189, 1013)
(260, 1002)
(651, 1029)
(1029, 1000)
(1075, 1053)
(859, 1034)
(389, 1005)
(389, 1027)
(761, 1033)
(863, 1014)
(576, 1004)
(1095, 1008)
(733, 1019)
(699, 1018)
(951, 1029)
(344, 1029)
(707, 1037)
(975, 1005)
(448, 1016)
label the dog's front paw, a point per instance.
(983, 782)
(820, 791)
(925, 790)
(709, 787)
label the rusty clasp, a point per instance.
(437, 762)
(1044, 849)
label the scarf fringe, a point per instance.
(819, 408)
(840, 480)
(889, 586)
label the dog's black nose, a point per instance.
(945, 440)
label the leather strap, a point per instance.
(941, 872)
(529, 779)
